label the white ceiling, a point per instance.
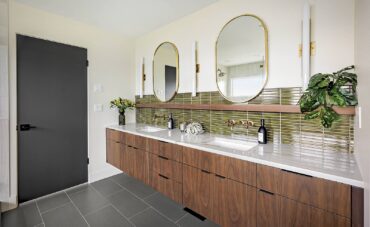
(131, 18)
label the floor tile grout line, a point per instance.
(69, 189)
(124, 216)
(131, 193)
(106, 198)
(123, 189)
(142, 199)
(93, 188)
(97, 210)
(160, 213)
(109, 194)
(40, 198)
(78, 210)
(181, 218)
(38, 209)
(140, 212)
(147, 197)
(51, 209)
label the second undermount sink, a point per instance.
(232, 144)
(151, 129)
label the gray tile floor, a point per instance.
(116, 201)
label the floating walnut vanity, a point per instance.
(231, 188)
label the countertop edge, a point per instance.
(326, 176)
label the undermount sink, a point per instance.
(151, 129)
(232, 144)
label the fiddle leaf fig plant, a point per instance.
(327, 90)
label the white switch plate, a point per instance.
(98, 107)
(98, 88)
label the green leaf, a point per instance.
(328, 116)
(308, 101)
(312, 115)
(337, 99)
(316, 79)
(324, 83)
(345, 69)
(321, 96)
(351, 100)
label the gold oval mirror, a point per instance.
(165, 71)
(241, 58)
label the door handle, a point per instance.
(205, 171)
(267, 192)
(219, 176)
(163, 176)
(162, 157)
(26, 127)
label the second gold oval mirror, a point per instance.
(241, 58)
(165, 71)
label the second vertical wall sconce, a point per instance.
(195, 68)
(142, 77)
(306, 44)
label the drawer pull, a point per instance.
(288, 171)
(163, 142)
(205, 171)
(219, 176)
(129, 146)
(163, 176)
(267, 192)
(162, 157)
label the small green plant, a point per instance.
(122, 104)
(327, 90)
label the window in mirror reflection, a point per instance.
(165, 72)
(241, 53)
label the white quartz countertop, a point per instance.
(335, 166)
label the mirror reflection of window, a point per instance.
(165, 72)
(241, 53)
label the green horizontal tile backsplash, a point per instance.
(286, 128)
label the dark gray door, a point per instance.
(52, 116)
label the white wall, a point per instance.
(362, 59)
(111, 59)
(333, 32)
(4, 101)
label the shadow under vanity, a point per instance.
(233, 191)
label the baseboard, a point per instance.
(103, 173)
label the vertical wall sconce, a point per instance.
(306, 44)
(195, 68)
(142, 77)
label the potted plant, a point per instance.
(327, 90)
(122, 105)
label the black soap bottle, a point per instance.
(262, 133)
(170, 123)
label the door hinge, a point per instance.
(88, 161)
(87, 63)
